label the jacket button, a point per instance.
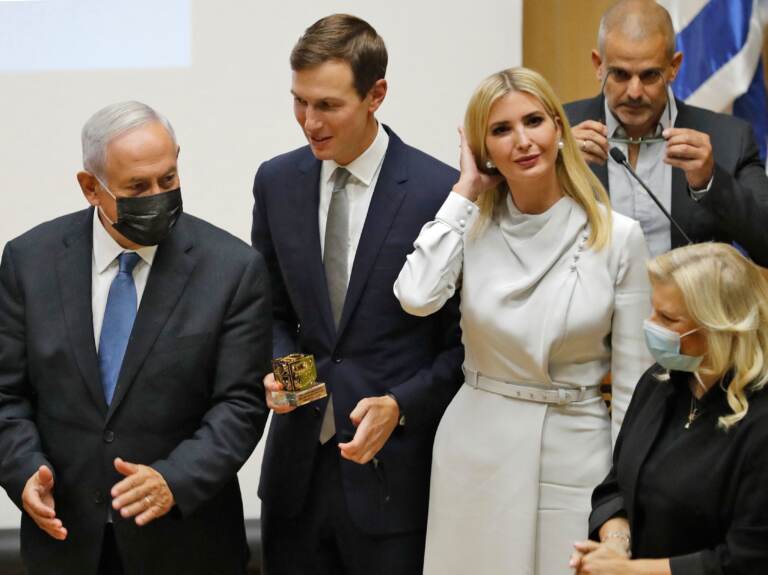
(98, 497)
(316, 409)
(109, 436)
(336, 359)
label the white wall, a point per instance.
(232, 109)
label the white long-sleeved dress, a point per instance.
(512, 478)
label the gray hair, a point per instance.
(637, 20)
(111, 122)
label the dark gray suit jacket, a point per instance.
(189, 399)
(736, 207)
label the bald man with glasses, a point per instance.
(703, 166)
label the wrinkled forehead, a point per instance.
(147, 149)
(636, 54)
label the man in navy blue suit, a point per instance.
(345, 479)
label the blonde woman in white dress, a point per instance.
(554, 293)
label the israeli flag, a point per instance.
(722, 69)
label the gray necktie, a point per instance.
(335, 254)
(336, 248)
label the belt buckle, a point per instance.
(562, 396)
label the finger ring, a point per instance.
(148, 501)
(583, 145)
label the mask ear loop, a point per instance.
(695, 373)
(689, 332)
(106, 189)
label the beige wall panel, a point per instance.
(558, 36)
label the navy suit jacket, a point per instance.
(189, 399)
(736, 207)
(377, 349)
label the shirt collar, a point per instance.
(364, 167)
(106, 249)
(667, 120)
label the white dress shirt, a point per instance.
(105, 267)
(364, 173)
(629, 198)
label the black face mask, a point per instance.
(147, 220)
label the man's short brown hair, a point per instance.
(346, 38)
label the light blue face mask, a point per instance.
(664, 345)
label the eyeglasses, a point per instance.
(637, 141)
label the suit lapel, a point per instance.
(74, 270)
(681, 201)
(601, 171)
(309, 254)
(168, 277)
(596, 111)
(385, 203)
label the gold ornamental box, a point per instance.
(298, 375)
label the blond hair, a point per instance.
(575, 178)
(727, 295)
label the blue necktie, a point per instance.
(118, 322)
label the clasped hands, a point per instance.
(143, 494)
(687, 149)
(606, 558)
(375, 418)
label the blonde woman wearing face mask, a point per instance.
(688, 492)
(553, 295)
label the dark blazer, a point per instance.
(697, 496)
(736, 206)
(189, 399)
(378, 348)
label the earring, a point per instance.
(490, 165)
(560, 145)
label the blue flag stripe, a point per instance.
(753, 107)
(714, 36)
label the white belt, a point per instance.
(558, 396)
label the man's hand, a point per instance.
(592, 138)
(270, 385)
(37, 499)
(375, 419)
(691, 151)
(143, 493)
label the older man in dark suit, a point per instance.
(133, 342)
(346, 479)
(704, 166)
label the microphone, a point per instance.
(620, 158)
